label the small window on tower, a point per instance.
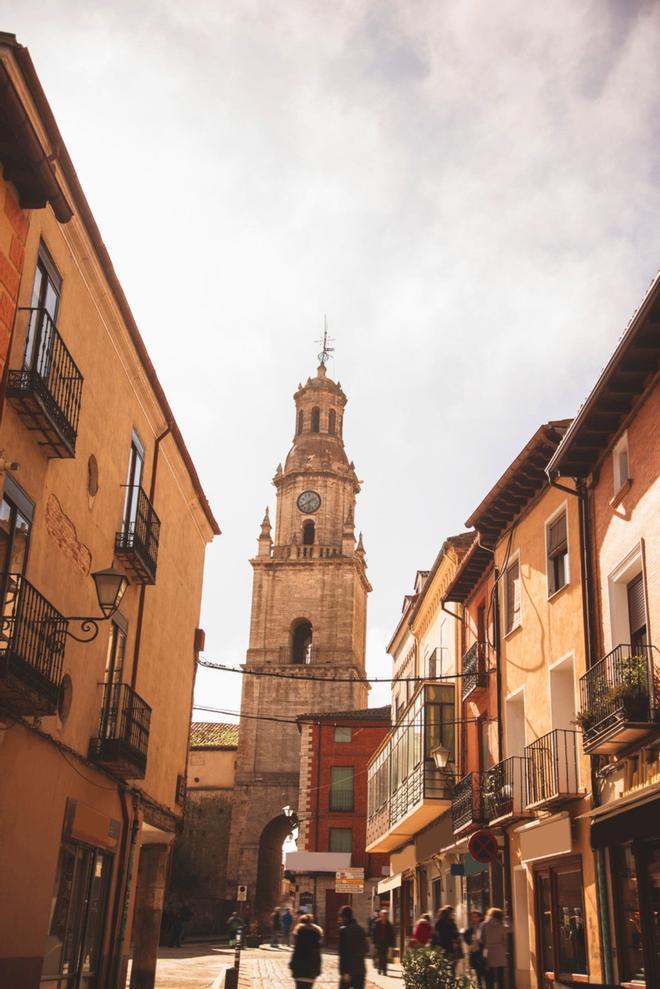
(316, 419)
(309, 532)
(301, 643)
(332, 421)
(301, 421)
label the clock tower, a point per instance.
(308, 621)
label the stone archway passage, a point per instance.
(269, 866)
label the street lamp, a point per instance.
(110, 586)
(440, 756)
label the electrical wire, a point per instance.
(278, 675)
(324, 719)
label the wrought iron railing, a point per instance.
(467, 802)
(474, 669)
(50, 372)
(32, 636)
(341, 799)
(504, 788)
(552, 767)
(622, 686)
(125, 717)
(424, 782)
(140, 533)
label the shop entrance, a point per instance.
(560, 921)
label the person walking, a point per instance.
(305, 962)
(275, 927)
(383, 940)
(423, 930)
(493, 938)
(446, 935)
(287, 924)
(353, 949)
(475, 951)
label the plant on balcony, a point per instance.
(630, 696)
(429, 968)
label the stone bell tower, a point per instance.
(309, 607)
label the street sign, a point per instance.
(482, 846)
(241, 894)
(349, 881)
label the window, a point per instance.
(316, 419)
(440, 717)
(620, 463)
(45, 302)
(301, 643)
(309, 531)
(512, 597)
(16, 511)
(637, 612)
(114, 669)
(301, 421)
(341, 787)
(624, 875)
(557, 550)
(343, 734)
(332, 422)
(340, 839)
(133, 480)
(561, 909)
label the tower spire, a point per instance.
(326, 350)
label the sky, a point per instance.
(468, 190)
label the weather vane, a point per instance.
(327, 351)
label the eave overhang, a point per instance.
(470, 572)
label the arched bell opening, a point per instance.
(309, 533)
(316, 419)
(268, 892)
(301, 642)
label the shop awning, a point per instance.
(392, 882)
(637, 822)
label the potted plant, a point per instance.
(429, 968)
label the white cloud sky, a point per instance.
(468, 189)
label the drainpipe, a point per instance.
(604, 926)
(122, 901)
(143, 587)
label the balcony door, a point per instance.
(16, 511)
(45, 306)
(133, 482)
(114, 671)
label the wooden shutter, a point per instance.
(636, 608)
(557, 536)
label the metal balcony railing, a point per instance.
(504, 788)
(46, 392)
(424, 782)
(123, 737)
(341, 800)
(467, 802)
(32, 640)
(552, 769)
(621, 688)
(137, 543)
(474, 669)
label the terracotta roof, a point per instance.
(629, 371)
(364, 714)
(213, 735)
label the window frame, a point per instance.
(19, 503)
(618, 481)
(338, 730)
(334, 790)
(343, 831)
(549, 560)
(514, 560)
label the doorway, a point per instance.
(562, 948)
(270, 867)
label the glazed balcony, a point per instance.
(32, 639)
(406, 790)
(552, 770)
(467, 807)
(46, 392)
(136, 546)
(504, 789)
(620, 700)
(123, 738)
(475, 678)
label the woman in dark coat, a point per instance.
(446, 934)
(305, 961)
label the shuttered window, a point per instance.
(340, 839)
(512, 596)
(341, 787)
(637, 611)
(557, 543)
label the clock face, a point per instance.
(309, 501)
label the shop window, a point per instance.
(512, 597)
(557, 553)
(342, 788)
(626, 897)
(340, 840)
(560, 909)
(343, 734)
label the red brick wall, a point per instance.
(356, 753)
(14, 224)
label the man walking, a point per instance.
(276, 927)
(287, 924)
(353, 949)
(383, 938)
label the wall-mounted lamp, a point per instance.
(440, 756)
(110, 585)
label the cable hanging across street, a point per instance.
(276, 674)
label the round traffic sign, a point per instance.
(482, 846)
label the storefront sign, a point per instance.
(546, 839)
(349, 881)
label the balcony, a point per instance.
(46, 392)
(475, 678)
(619, 700)
(32, 639)
(552, 770)
(467, 809)
(416, 802)
(137, 543)
(123, 739)
(504, 789)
